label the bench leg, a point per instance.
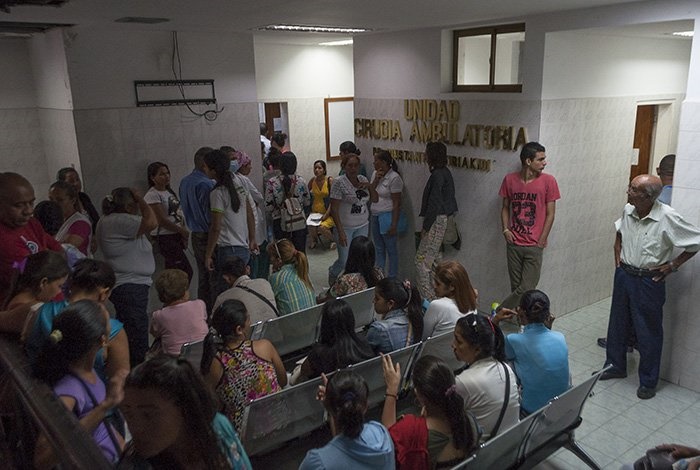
(578, 451)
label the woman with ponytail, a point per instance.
(355, 444)
(232, 229)
(488, 385)
(290, 278)
(287, 185)
(444, 433)
(66, 364)
(398, 304)
(540, 356)
(238, 369)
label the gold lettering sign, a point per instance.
(433, 120)
(411, 156)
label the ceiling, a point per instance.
(246, 15)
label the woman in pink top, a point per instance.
(181, 320)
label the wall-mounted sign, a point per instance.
(434, 120)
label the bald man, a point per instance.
(20, 233)
(647, 234)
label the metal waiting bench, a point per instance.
(362, 305)
(441, 347)
(272, 420)
(299, 330)
(538, 436)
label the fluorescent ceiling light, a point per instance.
(344, 42)
(685, 34)
(311, 29)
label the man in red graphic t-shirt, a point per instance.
(529, 198)
(20, 234)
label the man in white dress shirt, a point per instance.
(647, 234)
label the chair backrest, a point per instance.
(441, 346)
(192, 352)
(274, 419)
(373, 372)
(505, 450)
(256, 330)
(292, 332)
(362, 306)
(562, 414)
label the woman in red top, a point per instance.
(444, 433)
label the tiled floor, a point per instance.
(617, 426)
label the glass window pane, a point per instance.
(508, 55)
(473, 60)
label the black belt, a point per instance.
(639, 272)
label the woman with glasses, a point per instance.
(488, 386)
(290, 278)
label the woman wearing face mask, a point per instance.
(259, 262)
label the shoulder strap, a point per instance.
(261, 297)
(110, 431)
(505, 402)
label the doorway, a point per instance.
(643, 140)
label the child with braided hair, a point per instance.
(398, 305)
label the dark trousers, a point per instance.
(172, 247)
(204, 276)
(260, 263)
(638, 301)
(298, 237)
(131, 306)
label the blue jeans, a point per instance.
(221, 254)
(350, 233)
(385, 246)
(131, 306)
(637, 301)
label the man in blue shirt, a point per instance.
(194, 200)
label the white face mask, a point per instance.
(235, 165)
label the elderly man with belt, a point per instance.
(647, 234)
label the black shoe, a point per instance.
(612, 374)
(603, 343)
(645, 393)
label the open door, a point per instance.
(643, 139)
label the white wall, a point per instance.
(302, 76)
(117, 140)
(21, 145)
(55, 102)
(50, 70)
(17, 89)
(408, 64)
(607, 65)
